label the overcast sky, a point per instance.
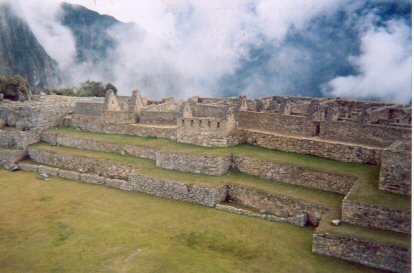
(201, 44)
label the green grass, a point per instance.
(368, 175)
(377, 235)
(65, 226)
(326, 199)
(148, 167)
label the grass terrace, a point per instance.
(366, 192)
(330, 200)
(66, 226)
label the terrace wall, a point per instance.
(294, 174)
(193, 163)
(82, 164)
(275, 204)
(370, 253)
(336, 151)
(367, 215)
(395, 174)
(10, 156)
(18, 139)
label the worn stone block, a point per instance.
(28, 167)
(91, 178)
(69, 174)
(48, 170)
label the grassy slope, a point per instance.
(367, 192)
(62, 226)
(326, 199)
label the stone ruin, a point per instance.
(339, 129)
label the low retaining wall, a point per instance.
(10, 156)
(203, 195)
(82, 164)
(96, 145)
(275, 204)
(298, 220)
(167, 160)
(294, 174)
(337, 151)
(18, 139)
(374, 254)
(193, 163)
(395, 174)
(375, 216)
(208, 196)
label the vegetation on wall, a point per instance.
(86, 89)
(14, 87)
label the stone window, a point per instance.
(209, 124)
(192, 123)
(200, 123)
(218, 124)
(183, 122)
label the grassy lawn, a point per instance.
(66, 226)
(366, 192)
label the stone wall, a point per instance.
(332, 150)
(117, 117)
(275, 204)
(208, 196)
(92, 124)
(294, 174)
(47, 112)
(167, 160)
(298, 220)
(193, 163)
(370, 253)
(82, 164)
(9, 157)
(18, 139)
(208, 132)
(369, 134)
(208, 110)
(153, 117)
(89, 108)
(375, 216)
(96, 145)
(284, 124)
(395, 173)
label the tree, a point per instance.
(92, 88)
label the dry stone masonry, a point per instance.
(338, 129)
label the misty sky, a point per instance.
(349, 48)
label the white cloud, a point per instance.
(184, 47)
(55, 38)
(384, 66)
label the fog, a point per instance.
(183, 48)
